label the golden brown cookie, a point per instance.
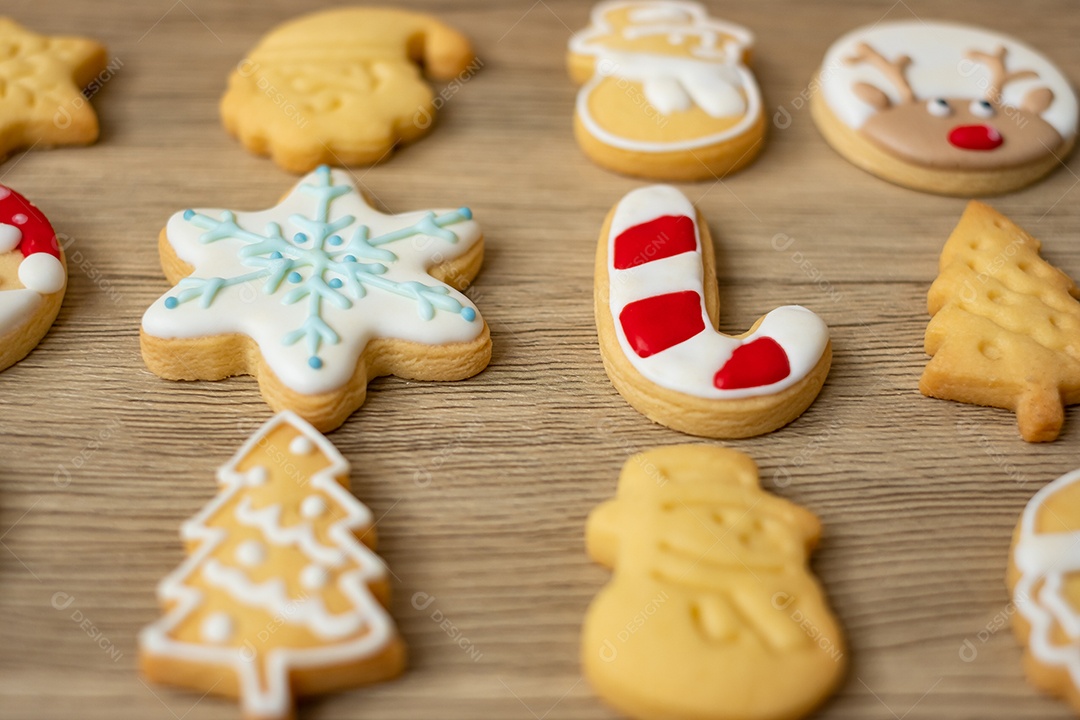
(944, 108)
(41, 88)
(666, 91)
(1005, 330)
(281, 595)
(341, 86)
(657, 306)
(316, 296)
(712, 612)
(1044, 579)
(33, 276)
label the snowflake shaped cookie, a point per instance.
(41, 82)
(316, 296)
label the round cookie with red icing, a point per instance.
(945, 108)
(657, 304)
(32, 276)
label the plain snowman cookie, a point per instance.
(281, 594)
(944, 108)
(657, 306)
(317, 295)
(712, 612)
(666, 91)
(342, 86)
(33, 276)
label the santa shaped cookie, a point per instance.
(32, 276)
(666, 92)
(657, 302)
(1044, 575)
(945, 108)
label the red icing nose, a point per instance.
(975, 137)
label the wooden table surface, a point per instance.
(482, 486)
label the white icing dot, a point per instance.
(10, 237)
(257, 476)
(4, 192)
(217, 628)
(251, 553)
(312, 507)
(19, 218)
(42, 273)
(301, 445)
(314, 577)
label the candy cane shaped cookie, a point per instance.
(32, 276)
(656, 314)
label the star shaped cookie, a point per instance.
(316, 296)
(41, 82)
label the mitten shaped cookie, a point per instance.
(342, 86)
(711, 612)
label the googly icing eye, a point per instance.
(982, 108)
(939, 107)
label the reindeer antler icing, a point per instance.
(999, 76)
(895, 71)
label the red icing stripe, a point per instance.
(654, 324)
(757, 363)
(655, 240)
(37, 232)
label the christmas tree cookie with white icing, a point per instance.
(944, 108)
(282, 595)
(666, 92)
(657, 306)
(1044, 578)
(317, 295)
(33, 276)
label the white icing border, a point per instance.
(691, 366)
(276, 698)
(608, 62)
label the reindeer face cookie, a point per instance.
(666, 92)
(711, 612)
(1044, 577)
(945, 108)
(32, 276)
(316, 296)
(342, 86)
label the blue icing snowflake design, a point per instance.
(321, 265)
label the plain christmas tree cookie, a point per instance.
(666, 92)
(342, 86)
(317, 295)
(712, 612)
(944, 108)
(41, 88)
(282, 595)
(1042, 576)
(657, 306)
(1005, 330)
(33, 276)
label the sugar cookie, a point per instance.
(41, 88)
(316, 296)
(657, 304)
(1005, 330)
(944, 108)
(666, 92)
(275, 601)
(33, 276)
(341, 86)
(712, 612)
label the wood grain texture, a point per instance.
(482, 486)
